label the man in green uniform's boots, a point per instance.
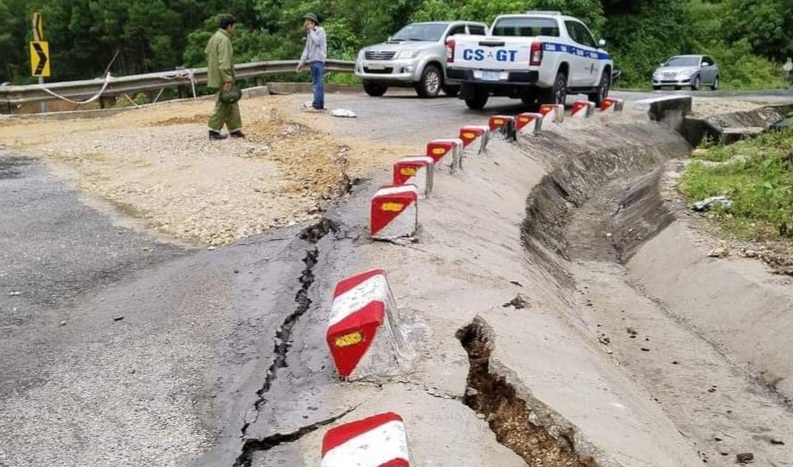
(220, 75)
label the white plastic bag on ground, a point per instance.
(344, 113)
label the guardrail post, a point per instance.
(106, 102)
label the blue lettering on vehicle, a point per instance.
(569, 49)
(479, 55)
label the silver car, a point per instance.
(413, 57)
(687, 70)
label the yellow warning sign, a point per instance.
(38, 28)
(40, 59)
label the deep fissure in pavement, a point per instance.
(283, 343)
(515, 422)
(265, 444)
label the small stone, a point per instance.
(480, 416)
(645, 349)
(118, 318)
(236, 271)
(719, 252)
(744, 457)
(712, 390)
(63, 323)
(471, 392)
(14, 294)
(516, 283)
(519, 302)
(211, 248)
(675, 362)
(777, 442)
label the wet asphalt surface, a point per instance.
(119, 348)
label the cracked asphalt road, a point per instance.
(120, 348)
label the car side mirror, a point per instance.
(705, 64)
(602, 43)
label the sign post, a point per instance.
(39, 54)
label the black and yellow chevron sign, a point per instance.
(38, 28)
(40, 59)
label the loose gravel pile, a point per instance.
(158, 164)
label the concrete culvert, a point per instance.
(515, 422)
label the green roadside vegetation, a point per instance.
(757, 176)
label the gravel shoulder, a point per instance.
(157, 164)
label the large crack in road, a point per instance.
(283, 343)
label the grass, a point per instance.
(757, 175)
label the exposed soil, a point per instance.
(516, 424)
(157, 163)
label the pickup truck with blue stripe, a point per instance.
(539, 57)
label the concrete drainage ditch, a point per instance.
(518, 424)
(586, 222)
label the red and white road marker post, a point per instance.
(394, 212)
(501, 126)
(475, 138)
(583, 109)
(447, 153)
(415, 170)
(552, 112)
(363, 329)
(529, 123)
(378, 441)
(610, 105)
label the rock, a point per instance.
(707, 204)
(604, 340)
(516, 283)
(719, 252)
(744, 457)
(118, 318)
(777, 442)
(519, 302)
(14, 294)
(480, 416)
(63, 323)
(645, 349)
(471, 392)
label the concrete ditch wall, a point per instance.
(469, 262)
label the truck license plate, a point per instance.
(491, 75)
(376, 67)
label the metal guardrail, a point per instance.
(14, 95)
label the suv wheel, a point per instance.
(477, 99)
(603, 90)
(374, 89)
(451, 91)
(430, 83)
(715, 85)
(695, 84)
(558, 93)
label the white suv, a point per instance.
(413, 57)
(539, 57)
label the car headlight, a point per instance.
(406, 54)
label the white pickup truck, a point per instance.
(539, 57)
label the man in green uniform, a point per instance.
(220, 75)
